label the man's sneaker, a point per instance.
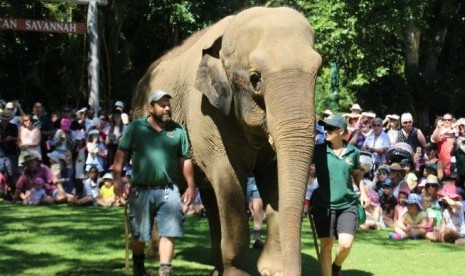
(165, 270)
(258, 244)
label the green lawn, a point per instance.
(50, 240)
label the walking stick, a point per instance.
(126, 237)
(315, 238)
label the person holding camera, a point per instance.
(444, 136)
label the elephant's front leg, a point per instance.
(234, 224)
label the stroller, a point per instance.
(398, 152)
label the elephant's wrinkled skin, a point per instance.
(247, 80)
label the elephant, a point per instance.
(243, 89)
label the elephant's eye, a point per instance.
(255, 80)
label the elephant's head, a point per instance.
(263, 68)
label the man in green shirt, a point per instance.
(159, 148)
(334, 201)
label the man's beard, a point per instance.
(162, 118)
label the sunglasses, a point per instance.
(331, 128)
(431, 185)
(376, 125)
(447, 120)
(364, 122)
(407, 123)
(386, 187)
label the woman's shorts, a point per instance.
(160, 203)
(330, 223)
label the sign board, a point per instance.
(82, 2)
(19, 24)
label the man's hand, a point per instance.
(363, 199)
(189, 196)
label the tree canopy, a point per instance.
(391, 56)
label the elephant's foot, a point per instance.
(270, 264)
(270, 261)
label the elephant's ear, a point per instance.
(211, 79)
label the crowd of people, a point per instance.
(58, 157)
(414, 183)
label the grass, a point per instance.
(61, 240)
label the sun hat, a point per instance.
(108, 176)
(155, 96)
(449, 190)
(397, 167)
(384, 168)
(6, 115)
(393, 116)
(432, 179)
(373, 198)
(387, 183)
(80, 111)
(404, 191)
(328, 112)
(369, 114)
(415, 199)
(119, 104)
(335, 121)
(56, 156)
(356, 107)
(29, 157)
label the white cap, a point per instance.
(393, 116)
(119, 104)
(406, 117)
(108, 176)
(82, 110)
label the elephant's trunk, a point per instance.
(291, 122)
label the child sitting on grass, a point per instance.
(36, 194)
(401, 207)
(90, 190)
(453, 223)
(388, 203)
(373, 212)
(413, 223)
(107, 195)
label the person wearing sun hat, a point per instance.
(413, 223)
(453, 222)
(334, 201)
(33, 169)
(356, 108)
(396, 174)
(373, 212)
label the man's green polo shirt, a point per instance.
(155, 155)
(335, 189)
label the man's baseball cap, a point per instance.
(335, 121)
(157, 95)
